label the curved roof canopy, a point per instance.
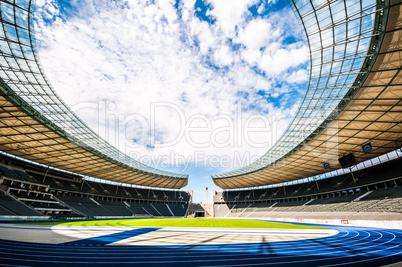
(353, 96)
(37, 125)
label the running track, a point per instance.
(352, 246)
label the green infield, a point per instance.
(220, 223)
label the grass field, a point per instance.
(219, 223)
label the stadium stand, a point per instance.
(371, 193)
(11, 206)
(28, 189)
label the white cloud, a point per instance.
(135, 54)
(297, 76)
(230, 13)
(223, 56)
(257, 33)
(277, 60)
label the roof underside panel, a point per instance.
(37, 125)
(369, 112)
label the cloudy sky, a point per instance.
(196, 87)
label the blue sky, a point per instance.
(198, 87)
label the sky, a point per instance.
(194, 87)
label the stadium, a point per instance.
(327, 193)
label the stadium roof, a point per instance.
(37, 125)
(353, 97)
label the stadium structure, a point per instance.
(337, 163)
(351, 114)
(37, 125)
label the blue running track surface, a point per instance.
(352, 246)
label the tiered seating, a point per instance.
(101, 189)
(383, 172)
(374, 190)
(96, 208)
(10, 206)
(394, 192)
(221, 210)
(161, 209)
(141, 209)
(117, 208)
(57, 193)
(15, 174)
(85, 206)
(395, 205)
(36, 197)
(178, 210)
(4, 211)
(383, 200)
(62, 184)
(27, 195)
